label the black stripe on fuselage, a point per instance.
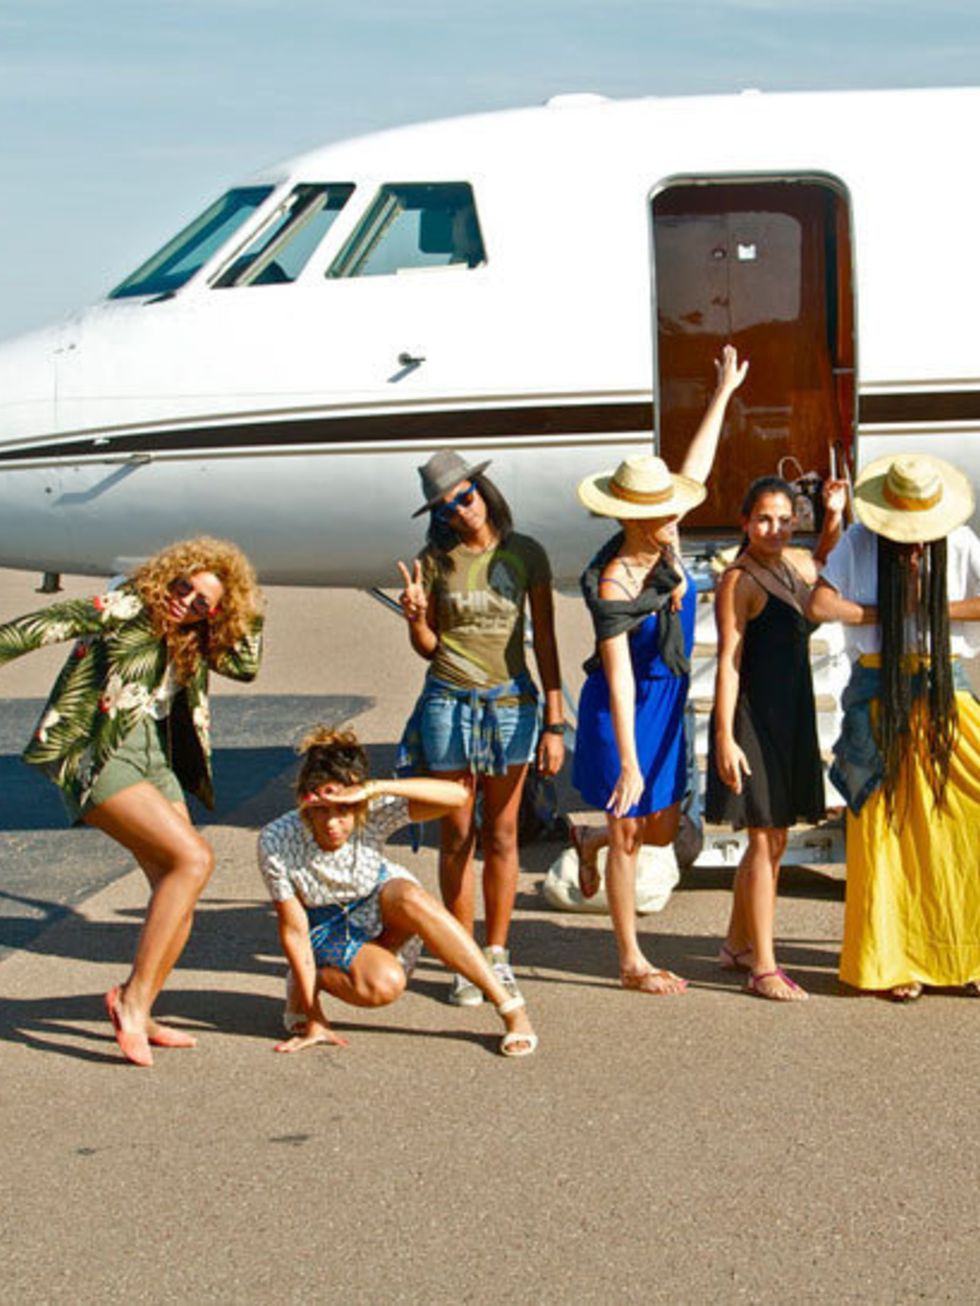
(920, 406)
(466, 424)
(421, 427)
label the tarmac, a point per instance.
(706, 1148)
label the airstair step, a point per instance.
(703, 703)
(806, 846)
(708, 648)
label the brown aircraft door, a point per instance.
(767, 266)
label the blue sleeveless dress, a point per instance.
(659, 724)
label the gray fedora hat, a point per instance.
(444, 470)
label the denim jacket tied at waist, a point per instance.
(858, 768)
(486, 748)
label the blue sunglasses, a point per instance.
(447, 510)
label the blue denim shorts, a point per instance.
(447, 732)
(339, 931)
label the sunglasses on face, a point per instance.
(462, 500)
(182, 588)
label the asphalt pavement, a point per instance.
(711, 1147)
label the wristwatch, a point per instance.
(556, 728)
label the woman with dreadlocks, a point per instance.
(905, 581)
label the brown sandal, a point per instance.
(652, 981)
(589, 879)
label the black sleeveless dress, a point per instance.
(776, 727)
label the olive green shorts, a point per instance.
(142, 756)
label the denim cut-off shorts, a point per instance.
(339, 931)
(142, 756)
(447, 733)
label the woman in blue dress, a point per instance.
(629, 751)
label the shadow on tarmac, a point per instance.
(239, 938)
(49, 869)
(254, 738)
(46, 867)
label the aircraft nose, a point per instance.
(27, 387)
(30, 534)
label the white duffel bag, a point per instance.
(656, 877)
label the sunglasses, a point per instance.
(198, 605)
(462, 500)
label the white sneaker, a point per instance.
(499, 959)
(463, 993)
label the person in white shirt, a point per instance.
(905, 581)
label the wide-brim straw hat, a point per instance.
(444, 470)
(642, 486)
(912, 499)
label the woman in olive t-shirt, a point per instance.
(479, 712)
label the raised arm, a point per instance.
(700, 454)
(834, 503)
(68, 619)
(242, 660)
(809, 565)
(428, 796)
(419, 610)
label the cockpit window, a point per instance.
(281, 249)
(414, 226)
(175, 264)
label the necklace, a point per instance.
(783, 572)
(645, 562)
(479, 545)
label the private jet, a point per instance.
(545, 287)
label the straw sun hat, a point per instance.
(913, 499)
(640, 487)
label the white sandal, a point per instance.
(293, 1021)
(512, 1037)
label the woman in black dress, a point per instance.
(764, 768)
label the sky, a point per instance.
(121, 119)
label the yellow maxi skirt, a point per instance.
(912, 908)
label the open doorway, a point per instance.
(767, 265)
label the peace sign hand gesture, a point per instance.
(413, 598)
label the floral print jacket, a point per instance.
(105, 686)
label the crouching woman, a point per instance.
(347, 914)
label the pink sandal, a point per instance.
(134, 1046)
(752, 983)
(731, 960)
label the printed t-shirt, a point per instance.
(480, 610)
(294, 865)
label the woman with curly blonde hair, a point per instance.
(126, 731)
(351, 920)
(231, 620)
